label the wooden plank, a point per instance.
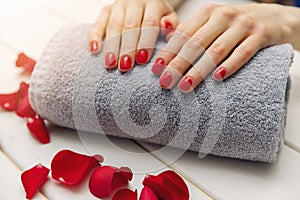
(232, 179)
(11, 187)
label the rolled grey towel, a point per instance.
(243, 117)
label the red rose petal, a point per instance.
(71, 168)
(125, 194)
(33, 179)
(167, 185)
(104, 180)
(38, 129)
(148, 194)
(26, 62)
(24, 109)
(126, 171)
(9, 102)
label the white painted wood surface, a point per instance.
(27, 26)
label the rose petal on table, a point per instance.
(24, 108)
(32, 179)
(70, 168)
(167, 185)
(125, 194)
(9, 102)
(148, 194)
(25, 62)
(38, 129)
(105, 179)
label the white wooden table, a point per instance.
(27, 25)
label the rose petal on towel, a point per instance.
(104, 180)
(125, 194)
(24, 108)
(25, 62)
(32, 179)
(148, 194)
(167, 185)
(38, 129)
(9, 102)
(70, 168)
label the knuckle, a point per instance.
(114, 24)
(196, 42)
(265, 33)
(106, 8)
(218, 50)
(131, 23)
(245, 51)
(177, 65)
(247, 22)
(209, 7)
(150, 22)
(227, 12)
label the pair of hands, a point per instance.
(225, 36)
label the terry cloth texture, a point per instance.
(243, 117)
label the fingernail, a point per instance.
(142, 56)
(158, 66)
(166, 80)
(125, 63)
(186, 84)
(110, 60)
(94, 46)
(220, 73)
(169, 27)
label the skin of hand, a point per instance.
(226, 36)
(131, 28)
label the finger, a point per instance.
(183, 32)
(217, 52)
(113, 37)
(240, 56)
(98, 29)
(195, 46)
(168, 24)
(149, 31)
(130, 36)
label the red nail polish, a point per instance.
(94, 46)
(158, 66)
(186, 84)
(142, 56)
(166, 80)
(168, 26)
(125, 63)
(220, 73)
(110, 60)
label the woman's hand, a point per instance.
(226, 36)
(131, 28)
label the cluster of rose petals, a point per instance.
(19, 103)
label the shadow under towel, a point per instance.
(243, 117)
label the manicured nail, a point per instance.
(142, 56)
(168, 26)
(168, 30)
(94, 46)
(125, 63)
(110, 60)
(166, 80)
(220, 73)
(186, 84)
(158, 66)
